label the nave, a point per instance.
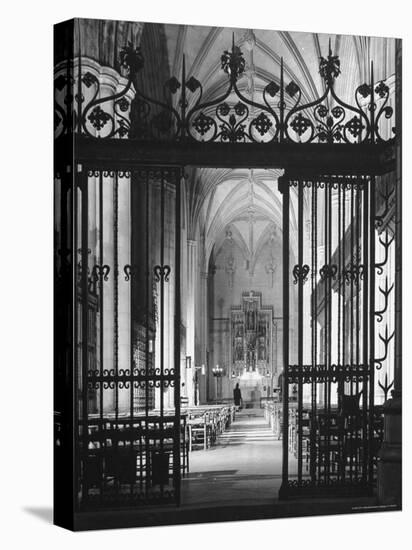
(244, 467)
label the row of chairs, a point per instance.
(332, 443)
(205, 424)
(273, 416)
(138, 452)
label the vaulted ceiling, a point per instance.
(219, 199)
(247, 203)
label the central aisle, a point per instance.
(244, 467)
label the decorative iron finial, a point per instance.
(233, 62)
(131, 58)
(329, 68)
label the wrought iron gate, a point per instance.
(125, 247)
(330, 433)
(130, 450)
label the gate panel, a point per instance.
(131, 447)
(329, 436)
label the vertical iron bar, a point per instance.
(162, 313)
(116, 289)
(344, 308)
(75, 316)
(358, 277)
(357, 315)
(183, 101)
(365, 314)
(326, 418)
(83, 181)
(340, 281)
(372, 183)
(133, 275)
(177, 435)
(284, 189)
(314, 323)
(300, 327)
(101, 305)
(281, 103)
(101, 296)
(329, 306)
(352, 436)
(145, 322)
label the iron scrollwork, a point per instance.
(279, 115)
(354, 273)
(328, 271)
(162, 273)
(300, 273)
(385, 338)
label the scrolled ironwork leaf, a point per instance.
(240, 108)
(98, 118)
(123, 104)
(382, 89)
(322, 111)
(173, 85)
(89, 79)
(192, 84)
(337, 112)
(364, 90)
(223, 109)
(355, 126)
(292, 88)
(123, 129)
(131, 58)
(202, 124)
(60, 82)
(272, 88)
(300, 124)
(262, 123)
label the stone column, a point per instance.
(190, 316)
(203, 313)
(123, 286)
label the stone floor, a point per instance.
(237, 479)
(244, 467)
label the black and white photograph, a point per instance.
(227, 274)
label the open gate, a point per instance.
(127, 329)
(330, 436)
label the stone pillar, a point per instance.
(108, 298)
(123, 286)
(204, 335)
(190, 316)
